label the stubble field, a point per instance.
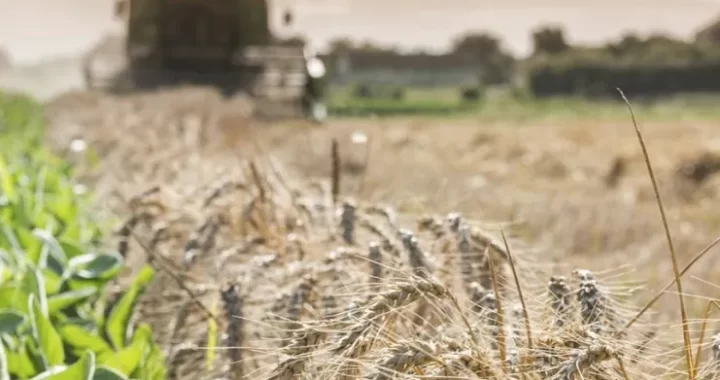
(282, 260)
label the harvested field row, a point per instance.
(244, 222)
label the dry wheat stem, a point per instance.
(335, 170)
(233, 305)
(559, 292)
(296, 353)
(657, 296)
(347, 222)
(526, 317)
(402, 357)
(673, 256)
(500, 314)
(382, 304)
(583, 360)
(174, 276)
(288, 223)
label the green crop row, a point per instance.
(57, 317)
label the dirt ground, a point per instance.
(572, 194)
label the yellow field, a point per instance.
(217, 198)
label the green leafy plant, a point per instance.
(55, 320)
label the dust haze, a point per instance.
(44, 39)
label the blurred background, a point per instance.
(432, 27)
(438, 53)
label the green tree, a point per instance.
(709, 35)
(495, 66)
(549, 40)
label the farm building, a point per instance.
(418, 69)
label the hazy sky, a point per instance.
(33, 29)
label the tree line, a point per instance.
(649, 66)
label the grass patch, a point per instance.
(502, 105)
(420, 102)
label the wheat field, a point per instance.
(405, 248)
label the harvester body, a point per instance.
(227, 44)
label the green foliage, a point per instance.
(472, 94)
(53, 278)
(549, 40)
(495, 64)
(46, 339)
(117, 324)
(709, 35)
(652, 66)
(383, 100)
(83, 369)
(597, 80)
(366, 91)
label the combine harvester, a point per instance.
(226, 44)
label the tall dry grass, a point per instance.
(305, 286)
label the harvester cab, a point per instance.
(227, 44)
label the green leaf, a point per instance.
(71, 232)
(153, 365)
(52, 181)
(7, 184)
(117, 323)
(64, 300)
(53, 282)
(5, 273)
(80, 338)
(96, 266)
(48, 340)
(16, 247)
(71, 249)
(11, 321)
(4, 371)
(13, 297)
(127, 360)
(40, 189)
(86, 311)
(20, 364)
(91, 233)
(20, 212)
(83, 369)
(76, 284)
(11, 342)
(30, 245)
(99, 308)
(50, 373)
(46, 221)
(55, 248)
(34, 283)
(105, 373)
(62, 207)
(87, 324)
